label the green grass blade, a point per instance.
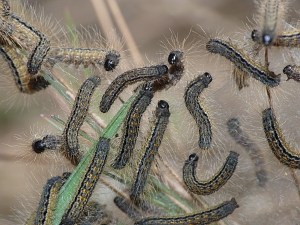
(70, 188)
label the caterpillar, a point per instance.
(292, 72)
(235, 131)
(127, 208)
(215, 183)
(25, 82)
(243, 62)
(88, 182)
(206, 217)
(271, 13)
(129, 77)
(175, 72)
(191, 95)
(132, 124)
(36, 58)
(44, 213)
(150, 148)
(47, 142)
(76, 118)
(109, 59)
(279, 147)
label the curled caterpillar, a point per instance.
(191, 95)
(215, 183)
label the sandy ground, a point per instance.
(149, 22)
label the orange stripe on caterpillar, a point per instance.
(243, 62)
(80, 108)
(191, 98)
(212, 185)
(25, 82)
(129, 77)
(109, 59)
(132, 125)
(279, 147)
(206, 217)
(87, 183)
(150, 149)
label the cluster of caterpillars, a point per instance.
(29, 54)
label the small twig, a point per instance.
(115, 9)
(102, 13)
(267, 58)
(267, 67)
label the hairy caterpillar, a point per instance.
(243, 62)
(150, 148)
(191, 95)
(109, 59)
(129, 77)
(215, 183)
(276, 141)
(25, 82)
(235, 131)
(76, 118)
(206, 217)
(132, 124)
